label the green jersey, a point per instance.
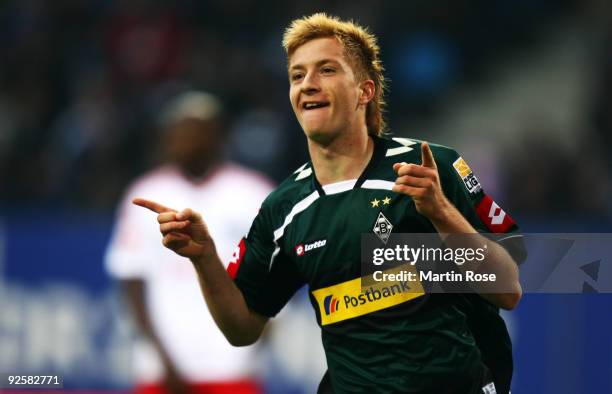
(386, 340)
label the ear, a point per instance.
(367, 91)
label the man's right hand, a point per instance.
(183, 232)
(186, 234)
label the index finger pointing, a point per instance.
(152, 205)
(427, 159)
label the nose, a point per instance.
(310, 83)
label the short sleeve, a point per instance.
(264, 274)
(128, 254)
(463, 189)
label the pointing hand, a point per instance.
(183, 232)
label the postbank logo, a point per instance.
(466, 174)
(349, 299)
(330, 304)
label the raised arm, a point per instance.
(186, 234)
(422, 183)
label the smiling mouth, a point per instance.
(314, 105)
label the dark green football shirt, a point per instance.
(310, 234)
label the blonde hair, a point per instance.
(361, 50)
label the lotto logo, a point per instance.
(237, 256)
(496, 214)
(495, 218)
(330, 304)
(300, 249)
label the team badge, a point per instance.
(466, 174)
(382, 227)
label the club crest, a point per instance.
(382, 227)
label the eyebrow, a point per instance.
(318, 64)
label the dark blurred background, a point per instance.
(522, 88)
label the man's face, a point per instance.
(324, 90)
(190, 141)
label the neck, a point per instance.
(342, 159)
(196, 170)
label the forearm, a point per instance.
(134, 291)
(187, 235)
(498, 261)
(226, 303)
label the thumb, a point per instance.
(397, 166)
(191, 215)
(427, 159)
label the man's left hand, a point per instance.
(422, 183)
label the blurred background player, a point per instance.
(185, 352)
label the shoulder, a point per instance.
(154, 179)
(391, 150)
(295, 189)
(445, 156)
(246, 176)
(402, 149)
(409, 150)
(244, 184)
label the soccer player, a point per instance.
(185, 352)
(308, 232)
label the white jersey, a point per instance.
(228, 198)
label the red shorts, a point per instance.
(231, 387)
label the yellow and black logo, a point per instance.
(349, 299)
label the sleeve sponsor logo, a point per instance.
(237, 256)
(466, 174)
(495, 218)
(489, 389)
(348, 300)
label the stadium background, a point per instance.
(522, 88)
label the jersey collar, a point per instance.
(376, 156)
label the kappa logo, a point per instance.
(466, 174)
(382, 227)
(330, 304)
(301, 249)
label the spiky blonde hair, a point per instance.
(361, 50)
